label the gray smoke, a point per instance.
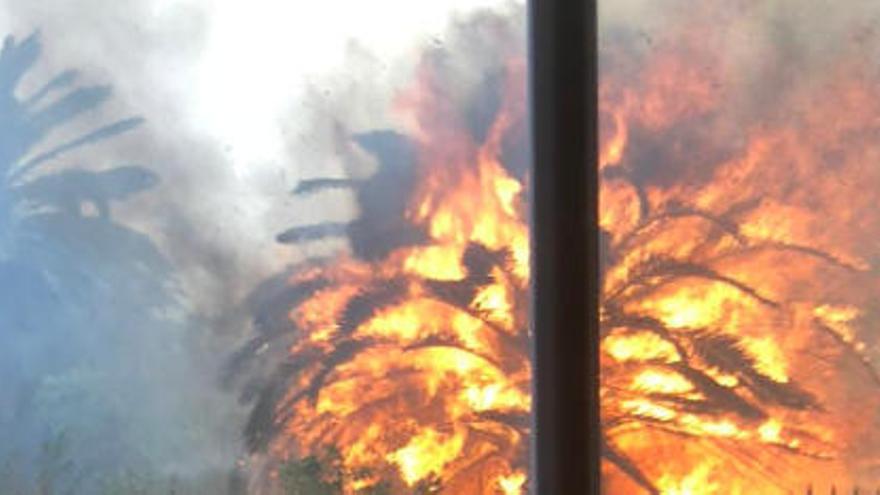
(114, 331)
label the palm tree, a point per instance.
(85, 302)
(723, 379)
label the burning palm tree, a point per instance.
(83, 296)
(410, 358)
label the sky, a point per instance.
(250, 59)
(232, 94)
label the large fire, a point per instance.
(738, 277)
(736, 309)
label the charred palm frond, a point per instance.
(271, 320)
(699, 351)
(659, 271)
(479, 261)
(440, 341)
(278, 405)
(717, 380)
(261, 425)
(852, 351)
(675, 211)
(305, 233)
(312, 366)
(758, 246)
(343, 352)
(369, 301)
(628, 466)
(310, 186)
(381, 226)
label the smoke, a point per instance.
(240, 102)
(118, 330)
(766, 49)
(753, 63)
(107, 358)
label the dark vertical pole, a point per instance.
(565, 244)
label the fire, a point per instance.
(737, 278)
(513, 484)
(697, 482)
(425, 454)
(661, 382)
(415, 366)
(734, 352)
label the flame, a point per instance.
(735, 356)
(415, 367)
(736, 282)
(697, 482)
(512, 484)
(425, 454)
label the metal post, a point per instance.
(565, 242)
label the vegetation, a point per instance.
(90, 321)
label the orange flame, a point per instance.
(433, 386)
(735, 353)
